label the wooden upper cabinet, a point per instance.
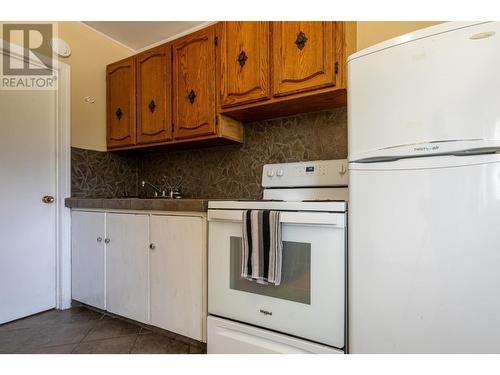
(303, 56)
(243, 56)
(194, 103)
(120, 76)
(154, 94)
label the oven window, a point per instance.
(295, 274)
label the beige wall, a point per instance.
(91, 52)
(372, 32)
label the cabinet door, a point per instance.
(120, 78)
(154, 122)
(244, 62)
(194, 84)
(127, 269)
(303, 56)
(87, 258)
(177, 274)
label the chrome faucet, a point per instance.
(156, 189)
(174, 189)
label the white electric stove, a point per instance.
(306, 313)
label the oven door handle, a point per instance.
(337, 220)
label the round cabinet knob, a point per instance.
(48, 199)
(279, 172)
(270, 173)
(152, 246)
(342, 169)
(107, 240)
(99, 239)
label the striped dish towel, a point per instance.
(261, 247)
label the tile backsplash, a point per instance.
(216, 172)
(96, 174)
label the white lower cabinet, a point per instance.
(146, 267)
(177, 274)
(88, 258)
(127, 265)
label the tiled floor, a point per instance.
(81, 330)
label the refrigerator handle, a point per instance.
(468, 152)
(477, 151)
(380, 159)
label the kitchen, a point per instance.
(237, 187)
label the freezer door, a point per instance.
(424, 256)
(437, 88)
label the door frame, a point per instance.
(63, 176)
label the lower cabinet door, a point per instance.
(87, 258)
(177, 274)
(127, 270)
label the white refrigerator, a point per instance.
(424, 192)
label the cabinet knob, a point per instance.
(99, 239)
(301, 40)
(191, 96)
(48, 199)
(152, 246)
(119, 113)
(152, 106)
(107, 240)
(242, 58)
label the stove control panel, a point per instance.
(306, 174)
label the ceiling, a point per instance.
(138, 35)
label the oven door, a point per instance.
(310, 301)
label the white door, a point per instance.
(88, 258)
(27, 225)
(177, 274)
(309, 302)
(127, 268)
(424, 256)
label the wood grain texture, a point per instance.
(231, 129)
(287, 80)
(346, 35)
(194, 71)
(246, 80)
(297, 69)
(120, 78)
(303, 102)
(218, 139)
(154, 84)
(312, 98)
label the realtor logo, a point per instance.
(27, 60)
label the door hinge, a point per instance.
(336, 67)
(216, 120)
(216, 40)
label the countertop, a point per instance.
(153, 204)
